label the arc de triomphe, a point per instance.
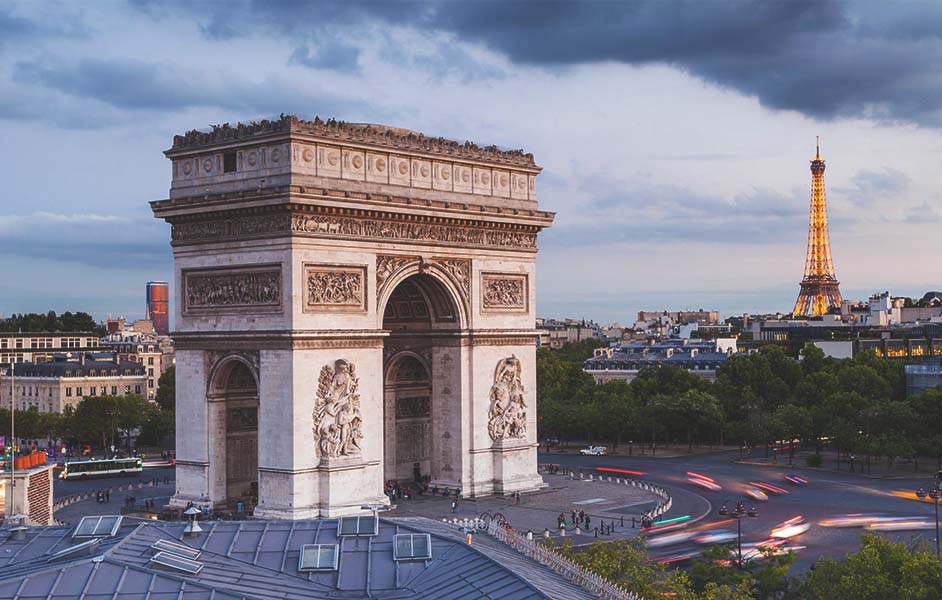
(354, 304)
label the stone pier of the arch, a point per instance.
(352, 304)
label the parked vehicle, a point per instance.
(594, 451)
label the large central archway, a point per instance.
(422, 381)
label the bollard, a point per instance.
(623, 520)
(578, 530)
(529, 535)
(546, 534)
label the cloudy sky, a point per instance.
(674, 136)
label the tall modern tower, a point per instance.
(819, 287)
(158, 295)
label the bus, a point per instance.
(84, 469)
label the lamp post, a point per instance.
(3, 372)
(934, 492)
(738, 513)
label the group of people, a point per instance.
(578, 518)
(103, 496)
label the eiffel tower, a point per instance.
(819, 287)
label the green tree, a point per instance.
(880, 570)
(166, 396)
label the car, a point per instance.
(757, 494)
(594, 451)
(796, 480)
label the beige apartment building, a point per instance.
(51, 386)
(41, 347)
(142, 349)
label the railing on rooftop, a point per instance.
(548, 557)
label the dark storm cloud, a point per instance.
(881, 61)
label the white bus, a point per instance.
(101, 468)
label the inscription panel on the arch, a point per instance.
(330, 287)
(250, 288)
(504, 292)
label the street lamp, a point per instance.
(738, 513)
(933, 493)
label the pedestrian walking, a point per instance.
(573, 517)
(587, 519)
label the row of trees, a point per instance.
(102, 421)
(881, 569)
(858, 405)
(35, 322)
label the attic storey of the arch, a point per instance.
(353, 304)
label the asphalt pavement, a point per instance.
(827, 494)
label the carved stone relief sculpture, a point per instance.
(460, 269)
(337, 418)
(387, 266)
(507, 417)
(330, 287)
(503, 292)
(232, 288)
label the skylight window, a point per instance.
(412, 546)
(358, 526)
(73, 550)
(104, 526)
(177, 563)
(175, 548)
(318, 557)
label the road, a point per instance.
(62, 488)
(827, 494)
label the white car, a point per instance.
(594, 451)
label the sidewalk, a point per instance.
(667, 451)
(86, 504)
(829, 464)
(605, 502)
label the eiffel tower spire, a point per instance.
(819, 286)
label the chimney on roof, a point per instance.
(82, 358)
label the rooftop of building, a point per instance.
(73, 365)
(48, 334)
(260, 560)
(364, 133)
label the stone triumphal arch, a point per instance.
(354, 304)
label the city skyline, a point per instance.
(678, 172)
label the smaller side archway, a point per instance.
(233, 421)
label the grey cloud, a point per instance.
(871, 187)
(826, 59)
(86, 239)
(622, 212)
(334, 56)
(139, 85)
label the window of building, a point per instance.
(150, 383)
(68, 392)
(150, 360)
(137, 389)
(229, 162)
(114, 372)
(78, 392)
(127, 390)
(92, 391)
(114, 390)
(19, 343)
(104, 391)
(92, 373)
(150, 372)
(3, 343)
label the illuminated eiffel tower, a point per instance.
(819, 287)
